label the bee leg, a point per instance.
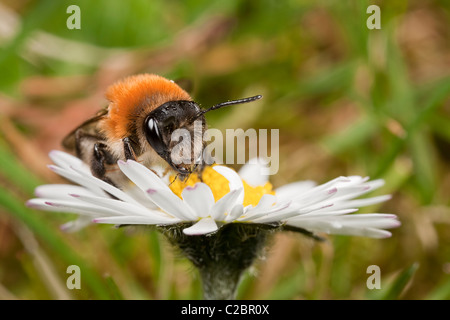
(128, 149)
(91, 149)
(101, 157)
(83, 142)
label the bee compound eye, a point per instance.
(153, 135)
(169, 125)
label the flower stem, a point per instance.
(219, 284)
(222, 257)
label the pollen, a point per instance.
(219, 186)
(254, 194)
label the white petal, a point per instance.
(357, 224)
(126, 208)
(319, 207)
(66, 160)
(339, 181)
(291, 190)
(171, 204)
(374, 220)
(279, 215)
(140, 196)
(266, 202)
(60, 191)
(142, 176)
(362, 202)
(236, 212)
(234, 180)
(232, 177)
(224, 205)
(204, 226)
(251, 215)
(156, 190)
(106, 187)
(350, 181)
(255, 172)
(70, 174)
(375, 184)
(321, 198)
(328, 211)
(200, 198)
(67, 206)
(350, 192)
(155, 220)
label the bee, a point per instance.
(143, 112)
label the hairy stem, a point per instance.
(222, 257)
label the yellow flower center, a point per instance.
(220, 186)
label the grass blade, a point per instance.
(17, 209)
(400, 282)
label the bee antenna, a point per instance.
(226, 104)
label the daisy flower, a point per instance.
(219, 219)
(219, 197)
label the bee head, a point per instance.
(175, 132)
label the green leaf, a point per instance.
(441, 126)
(441, 292)
(424, 169)
(113, 288)
(400, 282)
(352, 137)
(438, 95)
(15, 172)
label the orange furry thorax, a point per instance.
(136, 96)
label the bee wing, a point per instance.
(89, 127)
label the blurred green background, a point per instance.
(347, 100)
